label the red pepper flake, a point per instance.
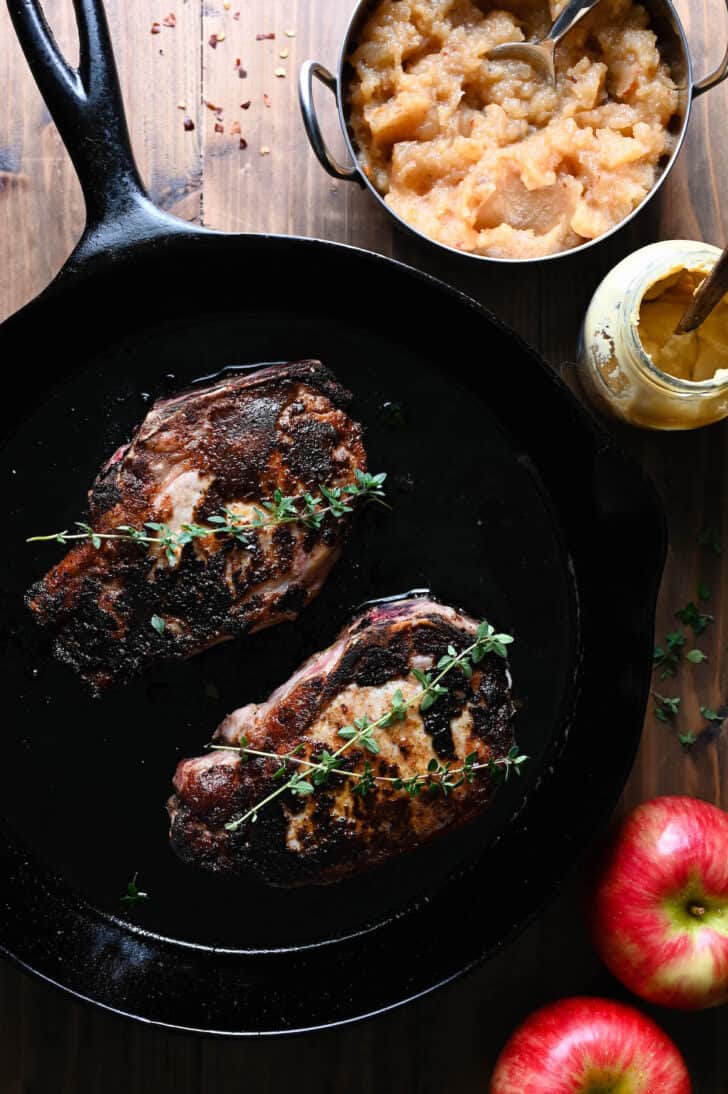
(211, 106)
(243, 144)
(188, 124)
(265, 37)
(236, 15)
(156, 28)
(219, 127)
(170, 20)
(215, 38)
(266, 100)
(236, 63)
(246, 104)
(235, 129)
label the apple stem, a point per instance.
(697, 910)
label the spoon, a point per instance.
(710, 292)
(541, 54)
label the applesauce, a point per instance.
(487, 156)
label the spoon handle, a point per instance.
(573, 13)
(710, 293)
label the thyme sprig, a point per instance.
(691, 616)
(667, 707)
(307, 509)
(439, 777)
(442, 777)
(666, 659)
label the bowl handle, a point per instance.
(313, 130)
(713, 78)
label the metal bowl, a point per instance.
(673, 46)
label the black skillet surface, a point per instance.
(506, 501)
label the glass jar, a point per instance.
(616, 373)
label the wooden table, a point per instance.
(49, 1044)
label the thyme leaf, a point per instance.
(158, 623)
(687, 740)
(133, 895)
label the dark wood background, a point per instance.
(50, 1044)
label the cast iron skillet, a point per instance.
(507, 500)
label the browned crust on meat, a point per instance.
(339, 834)
(284, 427)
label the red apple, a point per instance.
(589, 1046)
(660, 906)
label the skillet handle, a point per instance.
(87, 107)
(311, 123)
(714, 78)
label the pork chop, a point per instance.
(117, 606)
(337, 832)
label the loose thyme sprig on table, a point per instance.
(442, 778)
(307, 509)
(668, 659)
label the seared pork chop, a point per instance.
(121, 605)
(335, 832)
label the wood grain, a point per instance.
(49, 1044)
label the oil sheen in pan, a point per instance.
(171, 384)
(87, 786)
(231, 370)
(408, 595)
